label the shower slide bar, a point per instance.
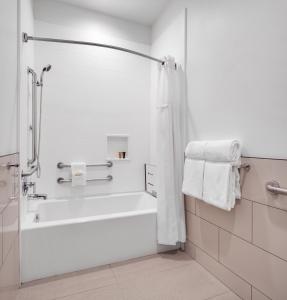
(108, 164)
(27, 38)
(108, 178)
(34, 117)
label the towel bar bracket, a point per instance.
(246, 167)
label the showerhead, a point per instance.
(47, 68)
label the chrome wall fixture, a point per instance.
(9, 166)
(108, 178)
(274, 188)
(29, 173)
(108, 164)
(34, 162)
(34, 116)
(245, 167)
(27, 38)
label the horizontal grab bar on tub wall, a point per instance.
(108, 178)
(274, 188)
(108, 164)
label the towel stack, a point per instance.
(211, 172)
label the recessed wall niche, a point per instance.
(117, 146)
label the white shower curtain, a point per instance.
(170, 139)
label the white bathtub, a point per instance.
(78, 234)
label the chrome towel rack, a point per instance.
(108, 178)
(274, 188)
(108, 164)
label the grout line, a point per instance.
(219, 262)
(114, 273)
(216, 276)
(268, 205)
(12, 246)
(7, 155)
(252, 222)
(275, 255)
(254, 288)
(118, 284)
(66, 276)
(81, 292)
(218, 256)
(221, 294)
(256, 246)
(223, 228)
(261, 250)
(241, 238)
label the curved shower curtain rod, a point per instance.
(27, 38)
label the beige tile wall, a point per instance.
(9, 228)
(247, 247)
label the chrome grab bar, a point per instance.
(108, 164)
(108, 178)
(274, 188)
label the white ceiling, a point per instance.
(140, 11)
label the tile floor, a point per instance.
(169, 276)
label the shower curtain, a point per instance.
(170, 140)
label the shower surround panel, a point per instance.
(92, 93)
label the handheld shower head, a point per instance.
(45, 69)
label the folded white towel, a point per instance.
(196, 150)
(193, 178)
(220, 185)
(79, 173)
(223, 151)
(211, 172)
(217, 151)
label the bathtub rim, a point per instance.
(29, 224)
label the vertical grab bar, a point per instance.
(34, 116)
